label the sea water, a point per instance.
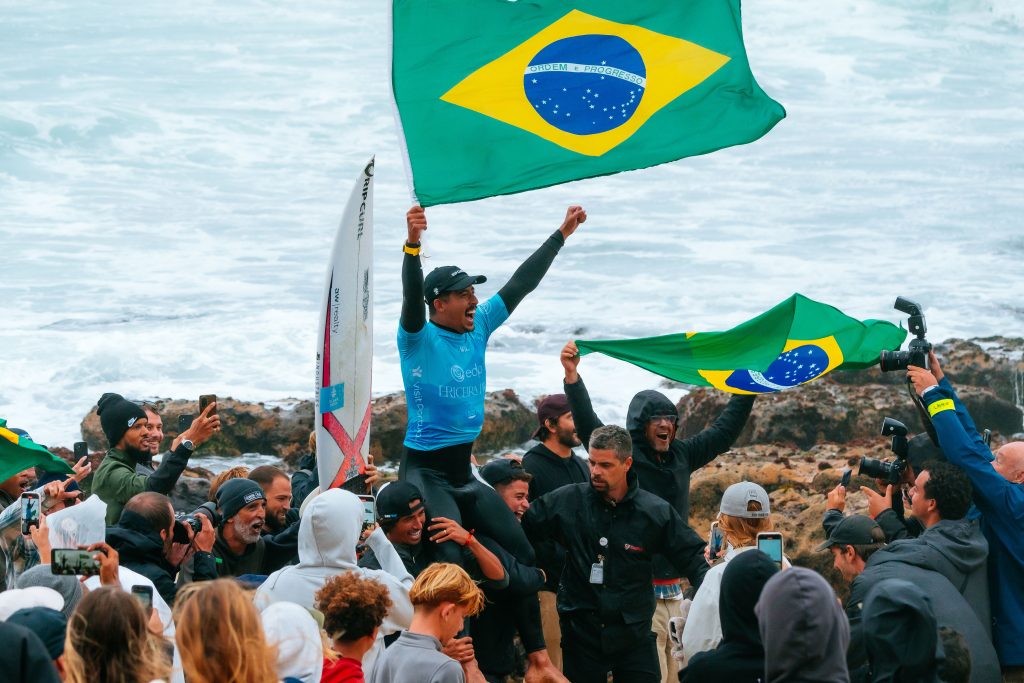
(171, 176)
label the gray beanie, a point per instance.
(68, 586)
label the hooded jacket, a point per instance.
(956, 549)
(328, 534)
(116, 481)
(635, 530)
(739, 657)
(295, 635)
(666, 475)
(803, 629)
(951, 609)
(900, 634)
(141, 549)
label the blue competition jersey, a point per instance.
(445, 379)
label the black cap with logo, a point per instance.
(448, 279)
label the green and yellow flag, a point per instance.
(796, 342)
(496, 97)
(18, 453)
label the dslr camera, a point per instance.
(891, 471)
(919, 347)
(182, 520)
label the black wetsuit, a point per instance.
(445, 381)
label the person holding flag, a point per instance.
(444, 372)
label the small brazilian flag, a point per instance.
(18, 453)
(796, 342)
(496, 97)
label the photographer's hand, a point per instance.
(921, 379)
(205, 539)
(877, 503)
(933, 362)
(836, 498)
(41, 537)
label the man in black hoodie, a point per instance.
(150, 541)
(663, 465)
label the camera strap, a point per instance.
(922, 412)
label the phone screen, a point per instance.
(205, 400)
(144, 595)
(369, 513)
(29, 511)
(73, 561)
(715, 540)
(771, 545)
(846, 477)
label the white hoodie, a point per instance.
(328, 534)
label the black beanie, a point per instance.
(235, 494)
(117, 414)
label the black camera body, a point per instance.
(891, 471)
(182, 520)
(918, 348)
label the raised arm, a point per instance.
(583, 415)
(414, 316)
(705, 446)
(529, 274)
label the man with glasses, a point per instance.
(663, 465)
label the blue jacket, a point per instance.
(1001, 504)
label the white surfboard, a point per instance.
(344, 353)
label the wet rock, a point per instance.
(827, 411)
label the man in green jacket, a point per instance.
(125, 426)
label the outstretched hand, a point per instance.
(570, 358)
(416, 222)
(574, 215)
(836, 498)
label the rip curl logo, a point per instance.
(633, 548)
(460, 375)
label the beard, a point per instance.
(568, 438)
(245, 532)
(138, 454)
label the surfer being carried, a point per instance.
(444, 373)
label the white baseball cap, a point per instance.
(736, 497)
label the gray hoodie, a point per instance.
(957, 550)
(803, 629)
(328, 533)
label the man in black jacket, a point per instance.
(146, 542)
(553, 465)
(612, 531)
(663, 465)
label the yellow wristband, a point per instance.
(939, 406)
(412, 251)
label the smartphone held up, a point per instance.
(29, 511)
(74, 562)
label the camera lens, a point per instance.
(890, 361)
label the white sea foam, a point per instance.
(171, 177)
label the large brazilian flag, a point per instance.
(795, 342)
(496, 97)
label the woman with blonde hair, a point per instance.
(220, 635)
(743, 514)
(109, 640)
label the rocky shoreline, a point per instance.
(796, 443)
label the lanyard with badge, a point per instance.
(597, 569)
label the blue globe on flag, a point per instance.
(792, 368)
(586, 84)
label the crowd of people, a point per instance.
(550, 566)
